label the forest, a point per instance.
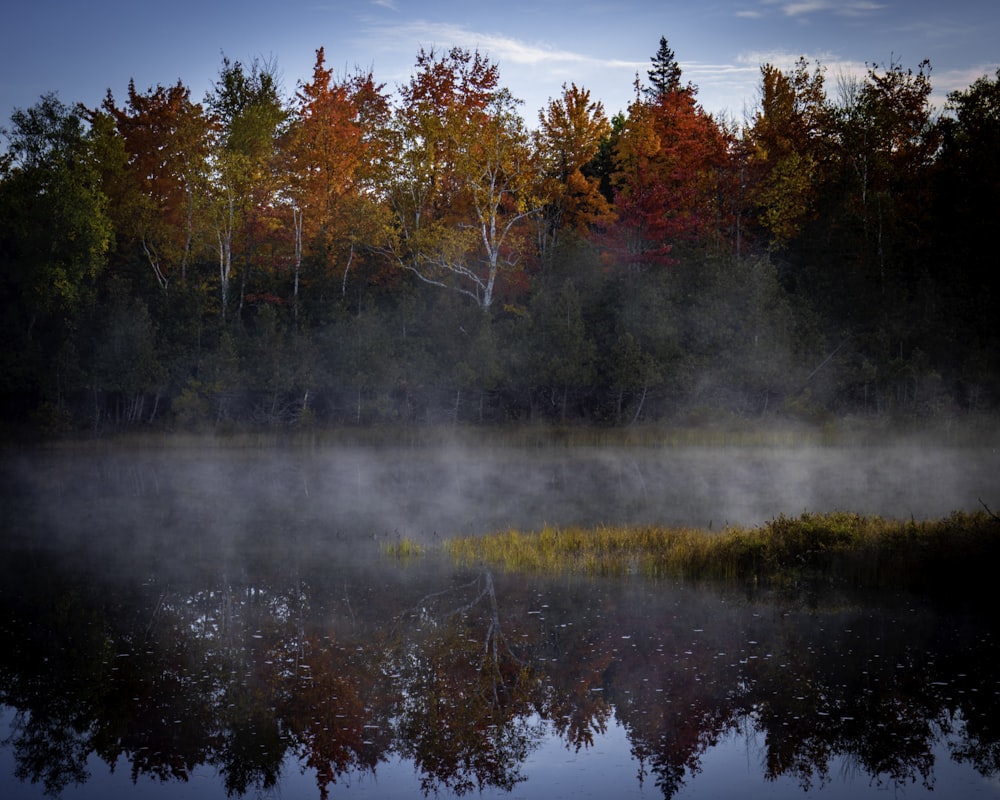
(359, 255)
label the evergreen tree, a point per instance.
(665, 74)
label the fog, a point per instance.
(182, 606)
(352, 494)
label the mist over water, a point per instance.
(192, 591)
(425, 493)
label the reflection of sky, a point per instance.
(605, 771)
(106, 785)
(733, 769)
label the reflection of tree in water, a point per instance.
(49, 731)
(573, 699)
(85, 683)
(671, 692)
(256, 668)
(334, 708)
(465, 716)
(858, 691)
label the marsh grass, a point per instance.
(868, 551)
(402, 549)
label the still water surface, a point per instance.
(214, 624)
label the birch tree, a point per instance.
(250, 115)
(461, 180)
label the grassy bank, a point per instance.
(957, 553)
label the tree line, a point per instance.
(354, 255)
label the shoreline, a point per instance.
(971, 431)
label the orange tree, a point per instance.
(166, 138)
(668, 161)
(331, 147)
(569, 135)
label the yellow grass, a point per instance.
(868, 551)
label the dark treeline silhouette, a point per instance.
(352, 255)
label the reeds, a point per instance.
(862, 550)
(402, 549)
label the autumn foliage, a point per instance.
(358, 253)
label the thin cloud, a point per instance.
(802, 8)
(786, 60)
(958, 80)
(701, 68)
(839, 72)
(798, 9)
(502, 48)
(733, 81)
(859, 9)
(835, 69)
(533, 71)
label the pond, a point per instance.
(222, 623)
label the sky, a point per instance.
(82, 49)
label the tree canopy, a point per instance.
(353, 254)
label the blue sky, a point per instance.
(81, 49)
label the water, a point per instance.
(218, 624)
